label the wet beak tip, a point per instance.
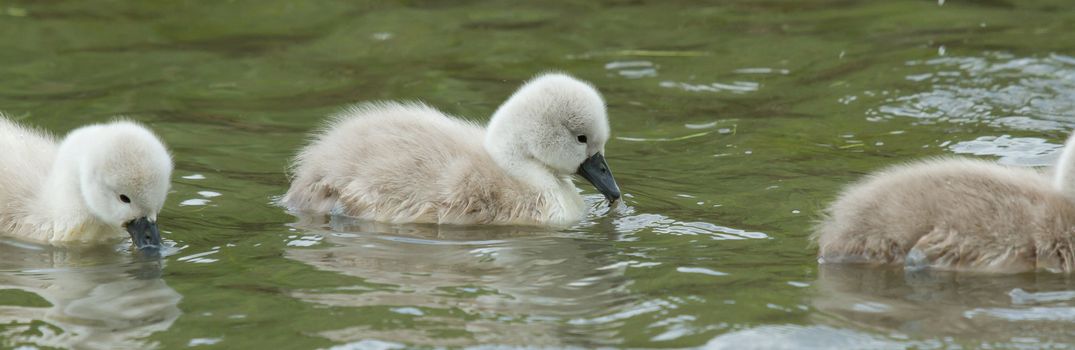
(144, 234)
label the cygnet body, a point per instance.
(957, 214)
(100, 181)
(409, 163)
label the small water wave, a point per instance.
(735, 87)
(633, 69)
(662, 224)
(763, 70)
(700, 270)
(1022, 297)
(1064, 314)
(200, 258)
(645, 307)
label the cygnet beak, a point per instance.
(596, 171)
(144, 233)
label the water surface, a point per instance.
(734, 123)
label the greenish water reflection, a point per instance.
(734, 122)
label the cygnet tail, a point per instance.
(1064, 173)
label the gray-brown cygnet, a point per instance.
(957, 214)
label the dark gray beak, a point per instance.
(144, 233)
(596, 171)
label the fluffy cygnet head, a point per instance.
(124, 173)
(558, 122)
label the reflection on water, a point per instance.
(860, 307)
(980, 310)
(499, 285)
(509, 290)
(92, 299)
(734, 123)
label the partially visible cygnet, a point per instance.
(409, 163)
(100, 181)
(957, 214)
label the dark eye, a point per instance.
(124, 198)
(582, 138)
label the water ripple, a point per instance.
(735, 87)
(645, 307)
(663, 224)
(633, 69)
(1056, 314)
(1022, 297)
(1022, 151)
(997, 89)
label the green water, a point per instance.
(733, 122)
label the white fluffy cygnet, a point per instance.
(409, 163)
(957, 214)
(100, 181)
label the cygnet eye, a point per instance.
(582, 138)
(124, 198)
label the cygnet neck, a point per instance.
(1064, 176)
(60, 201)
(504, 142)
(516, 161)
(562, 200)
